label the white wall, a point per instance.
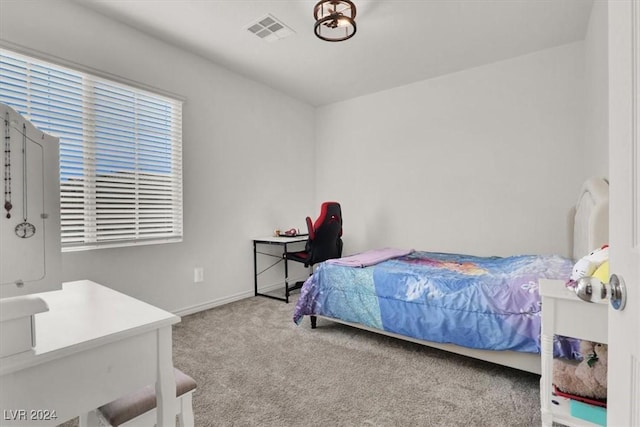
(486, 161)
(597, 92)
(236, 132)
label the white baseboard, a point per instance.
(225, 300)
(211, 304)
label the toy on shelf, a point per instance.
(585, 378)
(593, 264)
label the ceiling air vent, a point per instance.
(269, 28)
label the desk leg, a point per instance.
(255, 268)
(286, 276)
(165, 382)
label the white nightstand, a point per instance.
(563, 313)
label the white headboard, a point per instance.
(591, 220)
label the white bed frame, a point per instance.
(590, 231)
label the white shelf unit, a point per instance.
(563, 313)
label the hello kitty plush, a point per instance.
(587, 265)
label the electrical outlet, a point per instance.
(198, 275)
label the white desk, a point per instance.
(92, 346)
(283, 241)
(563, 313)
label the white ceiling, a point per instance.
(397, 42)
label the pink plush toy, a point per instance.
(587, 378)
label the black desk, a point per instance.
(283, 241)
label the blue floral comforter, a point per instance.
(479, 302)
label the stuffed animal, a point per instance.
(602, 272)
(587, 378)
(587, 265)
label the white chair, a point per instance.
(139, 408)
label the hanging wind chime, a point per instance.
(25, 229)
(7, 167)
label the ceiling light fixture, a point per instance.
(335, 20)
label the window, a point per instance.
(120, 152)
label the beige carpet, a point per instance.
(255, 367)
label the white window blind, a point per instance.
(120, 152)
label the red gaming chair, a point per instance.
(324, 240)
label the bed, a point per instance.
(483, 307)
